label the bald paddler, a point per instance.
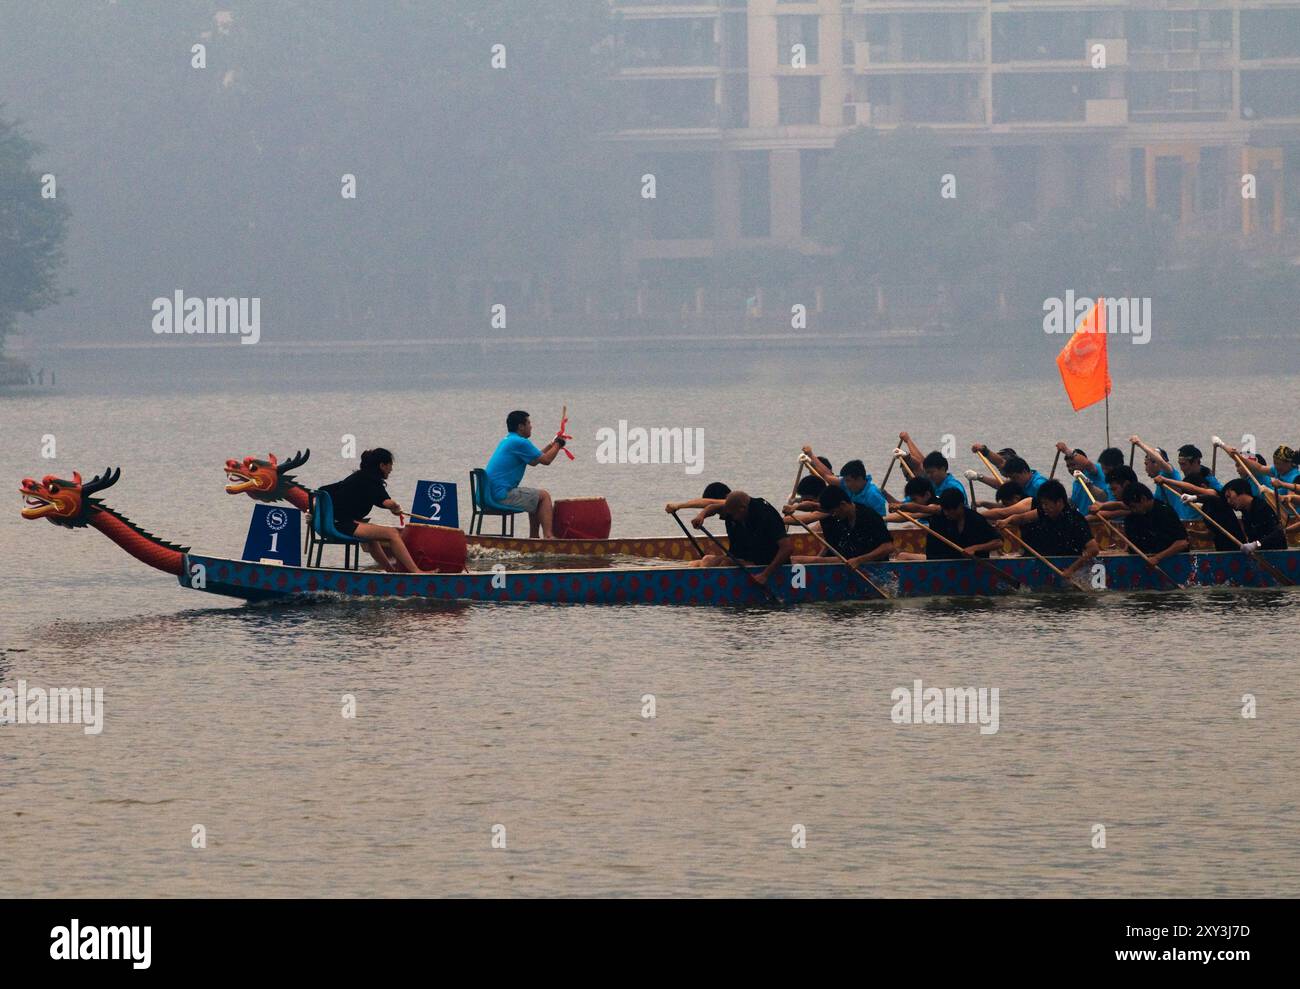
(513, 455)
(755, 531)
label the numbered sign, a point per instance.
(437, 500)
(275, 533)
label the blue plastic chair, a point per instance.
(325, 533)
(480, 497)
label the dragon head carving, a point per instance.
(64, 502)
(264, 480)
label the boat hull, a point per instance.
(698, 586)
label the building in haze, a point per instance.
(733, 116)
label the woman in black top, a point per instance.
(356, 495)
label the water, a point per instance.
(1123, 711)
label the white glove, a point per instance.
(1186, 498)
(898, 452)
(972, 475)
(1250, 547)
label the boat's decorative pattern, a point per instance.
(719, 585)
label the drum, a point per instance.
(435, 547)
(581, 518)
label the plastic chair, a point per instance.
(481, 503)
(325, 533)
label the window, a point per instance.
(800, 99)
(796, 29)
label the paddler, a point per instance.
(1157, 465)
(515, 453)
(1058, 529)
(935, 466)
(964, 526)
(858, 532)
(1260, 524)
(853, 480)
(755, 532)
(1152, 526)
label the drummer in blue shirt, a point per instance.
(513, 455)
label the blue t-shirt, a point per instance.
(951, 482)
(1289, 476)
(1079, 497)
(1170, 496)
(506, 467)
(1036, 481)
(870, 496)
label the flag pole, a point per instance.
(1108, 418)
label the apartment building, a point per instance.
(1050, 103)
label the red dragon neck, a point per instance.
(298, 496)
(144, 546)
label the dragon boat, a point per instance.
(74, 504)
(271, 480)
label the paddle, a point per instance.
(843, 559)
(1066, 581)
(688, 535)
(1078, 474)
(798, 476)
(1132, 449)
(1000, 574)
(1056, 460)
(992, 470)
(901, 457)
(744, 569)
(1277, 574)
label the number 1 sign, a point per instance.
(275, 533)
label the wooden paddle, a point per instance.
(1000, 574)
(798, 476)
(1066, 581)
(1277, 574)
(687, 531)
(1055, 461)
(843, 559)
(901, 457)
(744, 569)
(1078, 474)
(892, 460)
(992, 470)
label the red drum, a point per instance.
(581, 518)
(435, 547)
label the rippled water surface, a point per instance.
(1123, 710)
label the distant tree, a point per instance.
(32, 231)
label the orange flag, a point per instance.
(1084, 367)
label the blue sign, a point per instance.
(437, 501)
(275, 533)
